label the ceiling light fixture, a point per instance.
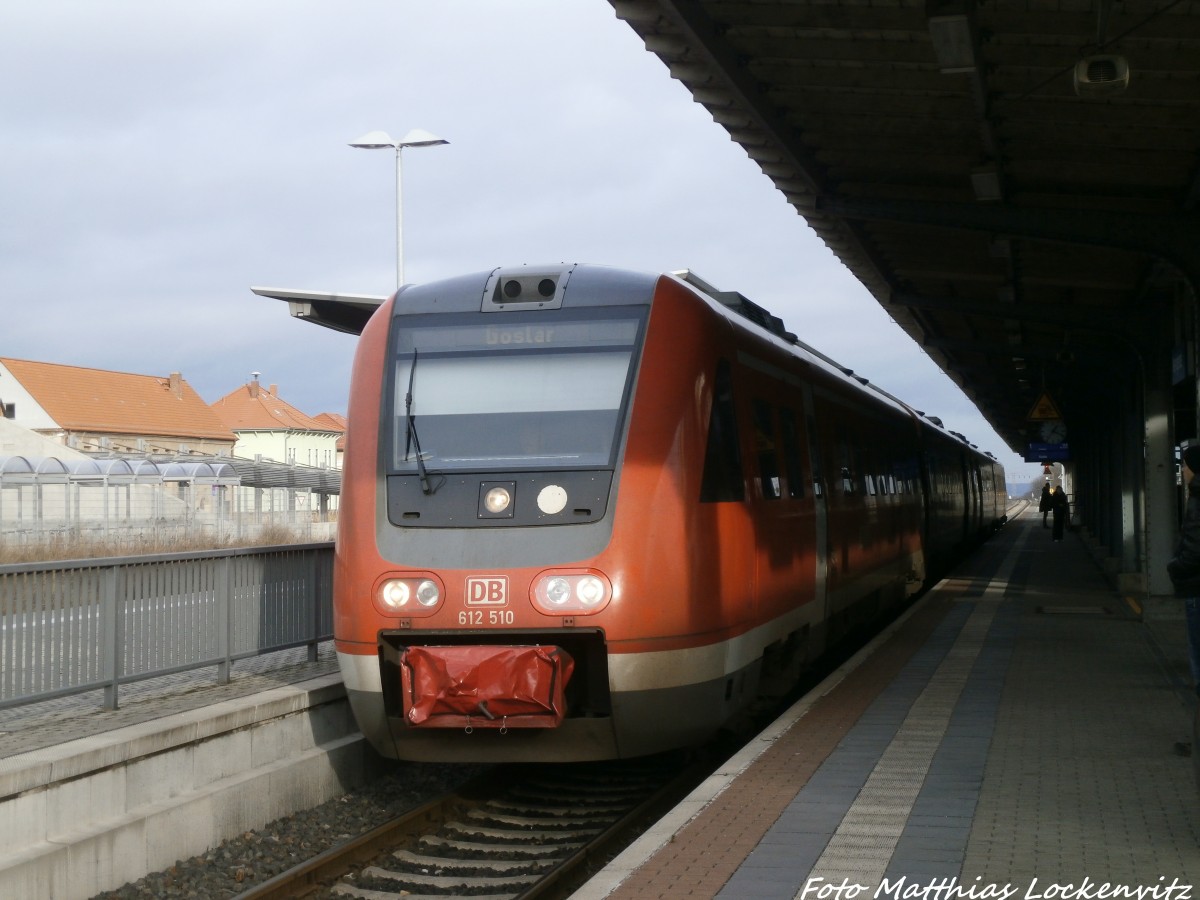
(953, 37)
(1101, 76)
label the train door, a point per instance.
(964, 475)
(724, 549)
(943, 522)
(783, 519)
(977, 500)
(821, 507)
(847, 525)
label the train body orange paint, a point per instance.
(611, 509)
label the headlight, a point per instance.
(405, 594)
(428, 593)
(590, 590)
(497, 500)
(395, 594)
(585, 591)
(558, 591)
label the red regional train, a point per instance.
(590, 513)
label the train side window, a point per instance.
(792, 461)
(847, 458)
(764, 444)
(817, 483)
(722, 477)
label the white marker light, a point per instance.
(497, 500)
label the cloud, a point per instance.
(162, 158)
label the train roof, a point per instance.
(349, 313)
(767, 321)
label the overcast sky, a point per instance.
(157, 159)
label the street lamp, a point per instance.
(379, 140)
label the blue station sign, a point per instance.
(1047, 452)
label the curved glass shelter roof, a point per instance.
(25, 470)
(33, 469)
(223, 470)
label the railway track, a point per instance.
(524, 832)
(518, 832)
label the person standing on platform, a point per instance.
(1184, 567)
(1060, 508)
(1044, 504)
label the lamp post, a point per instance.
(379, 140)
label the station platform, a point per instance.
(51, 723)
(1019, 734)
(1014, 736)
(91, 799)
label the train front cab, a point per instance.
(462, 394)
(677, 645)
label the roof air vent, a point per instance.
(1099, 76)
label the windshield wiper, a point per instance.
(410, 437)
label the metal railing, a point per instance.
(84, 625)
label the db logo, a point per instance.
(491, 591)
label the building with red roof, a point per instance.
(270, 428)
(98, 410)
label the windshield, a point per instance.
(537, 391)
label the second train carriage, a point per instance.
(590, 513)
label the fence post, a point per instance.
(225, 592)
(111, 644)
(314, 588)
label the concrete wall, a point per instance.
(91, 815)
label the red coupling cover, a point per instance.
(485, 686)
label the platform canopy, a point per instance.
(1016, 184)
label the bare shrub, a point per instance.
(68, 545)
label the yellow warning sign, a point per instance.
(1044, 409)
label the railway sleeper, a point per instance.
(509, 835)
(512, 806)
(512, 883)
(476, 849)
(347, 890)
(546, 823)
(585, 805)
(486, 868)
(609, 805)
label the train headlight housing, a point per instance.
(497, 500)
(406, 594)
(574, 592)
(557, 591)
(395, 594)
(428, 593)
(590, 590)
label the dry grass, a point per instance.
(71, 546)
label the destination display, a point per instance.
(1047, 452)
